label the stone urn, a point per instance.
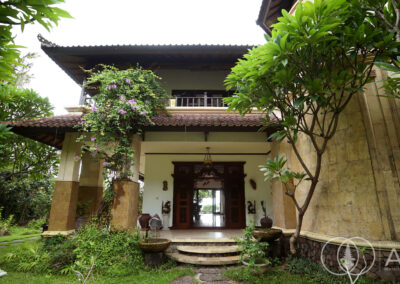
(260, 265)
(144, 221)
(154, 245)
(267, 235)
(266, 222)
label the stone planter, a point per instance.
(267, 235)
(154, 245)
(259, 267)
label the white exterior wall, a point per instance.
(160, 168)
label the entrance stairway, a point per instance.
(204, 252)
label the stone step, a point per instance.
(204, 260)
(209, 249)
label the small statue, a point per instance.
(251, 207)
(166, 208)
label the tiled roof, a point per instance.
(175, 120)
(208, 120)
(51, 130)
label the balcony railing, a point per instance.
(200, 102)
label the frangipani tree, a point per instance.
(304, 77)
(126, 101)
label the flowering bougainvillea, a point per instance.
(126, 101)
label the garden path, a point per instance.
(205, 275)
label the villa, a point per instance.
(358, 192)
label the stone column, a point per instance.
(90, 185)
(124, 211)
(65, 196)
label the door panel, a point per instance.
(234, 191)
(183, 195)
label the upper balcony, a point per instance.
(199, 100)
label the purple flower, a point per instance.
(133, 107)
(133, 85)
(81, 122)
(106, 163)
(113, 86)
(146, 102)
(141, 87)
(93, 139)
(96, 147)
(94, 108)
(143, 112)
(128, 81)
(122, 111)
(122, 98)
(132, 101)
(93, 155)
(118, 82)
(76, 157)
(108, 87)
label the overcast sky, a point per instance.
(100, 22)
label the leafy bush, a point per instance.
(252, 250)
(114, 253)
(36, 224)
(5, 223)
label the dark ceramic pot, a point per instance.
(144, 221)
(266, 222)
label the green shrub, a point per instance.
(5, 223)
(36, 224)
(114, 252)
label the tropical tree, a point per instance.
(18, 14)
(304, 77)
(27, 167)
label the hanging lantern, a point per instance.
(208, 176)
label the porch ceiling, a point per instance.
(197, 148)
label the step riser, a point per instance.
(209, 254)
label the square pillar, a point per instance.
(65, 196)
(124, 212)
(90, 185)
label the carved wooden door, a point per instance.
(234, 194)
(183, 195)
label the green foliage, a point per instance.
(126, 101)
(296, 271)
(27, 167)
(115, 252)
(304, 77)
(20, 13)
(5, 223)
(252, 250)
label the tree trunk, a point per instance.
(295, 236)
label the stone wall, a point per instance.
(311, 249)
(358, 190)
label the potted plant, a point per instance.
(252, 251)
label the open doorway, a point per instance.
(208, 208)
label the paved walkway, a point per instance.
(205, 276)
(18, 241)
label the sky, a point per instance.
(100, 22)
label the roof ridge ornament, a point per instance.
(45, 42)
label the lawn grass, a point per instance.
(20, 233)
(145, 277)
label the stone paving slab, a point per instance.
(184, 280)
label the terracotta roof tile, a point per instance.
(175, 120)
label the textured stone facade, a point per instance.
(358, 190)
